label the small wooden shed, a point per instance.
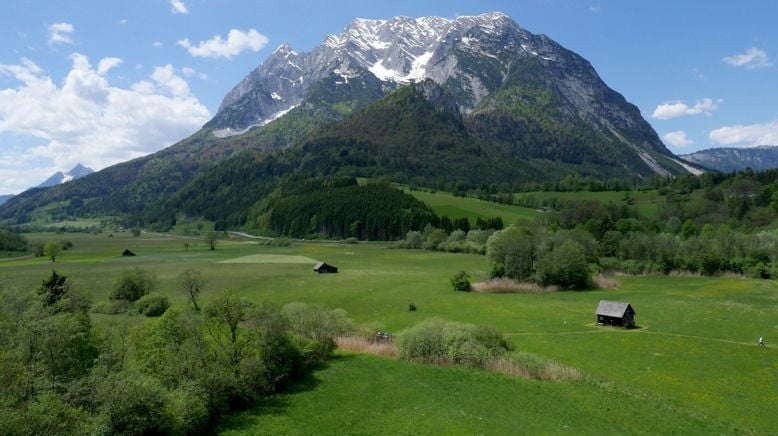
(127, 252)
(615, 313)
(323, 268)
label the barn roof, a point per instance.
(319, 265)
(613, 308)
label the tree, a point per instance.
(133, 284)
(565, 266)
(211, 238)
(191, 282)
(224, 315)
(53, 288)
(135, 232)
(52, 249)
(512, 251)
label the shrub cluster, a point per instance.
(186, 369)
(460, 282)
(439, 341)
(151, 305)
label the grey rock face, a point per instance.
(397, 50)
(471, 57)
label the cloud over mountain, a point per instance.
(675, 109)
(236, 43)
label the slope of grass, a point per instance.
(361, 394)
(444, 203)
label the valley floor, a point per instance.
(692, 367)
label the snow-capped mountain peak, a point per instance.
(400, 50)
(60, 177)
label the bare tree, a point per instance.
(191, 283)
(211, 238)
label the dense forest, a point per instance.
(341, 208)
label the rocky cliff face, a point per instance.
(473, 58)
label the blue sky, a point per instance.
(101, 82)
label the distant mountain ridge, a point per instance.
(60, 177)
(4, 198)
(729, 159)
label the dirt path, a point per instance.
(641, 330)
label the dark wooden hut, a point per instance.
(615, 313)
(127, 252)
(323, 268)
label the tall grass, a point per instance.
(358, 344)
(508, 286)
(532, 366)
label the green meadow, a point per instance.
(444, 203)
(691, 367)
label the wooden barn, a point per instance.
(615, 313)
(127, 252)
(323, 268)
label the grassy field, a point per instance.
(692, 367)
(444, 203)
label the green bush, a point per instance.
(434, 239)
(317, 323)
(460, 282)
(133, 284)
(133, 404)
(113, 307)
(439, 341)
(413, 239)
(422, 342)
(152, 305)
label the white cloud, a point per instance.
(754, 134)
(752, 59)
(86, 119)
(123, 21)
(156, 44)
(59, 33)
(178, 7)
(595, 8)
(167, 78)
(237, 41)
(106, 64)
(191, 72)
(675, 109)
(677, 139)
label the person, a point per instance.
(761, 341)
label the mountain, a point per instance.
(763, 157)
(4, 198)
(510, 84)
(444, 103)
(59, 177)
